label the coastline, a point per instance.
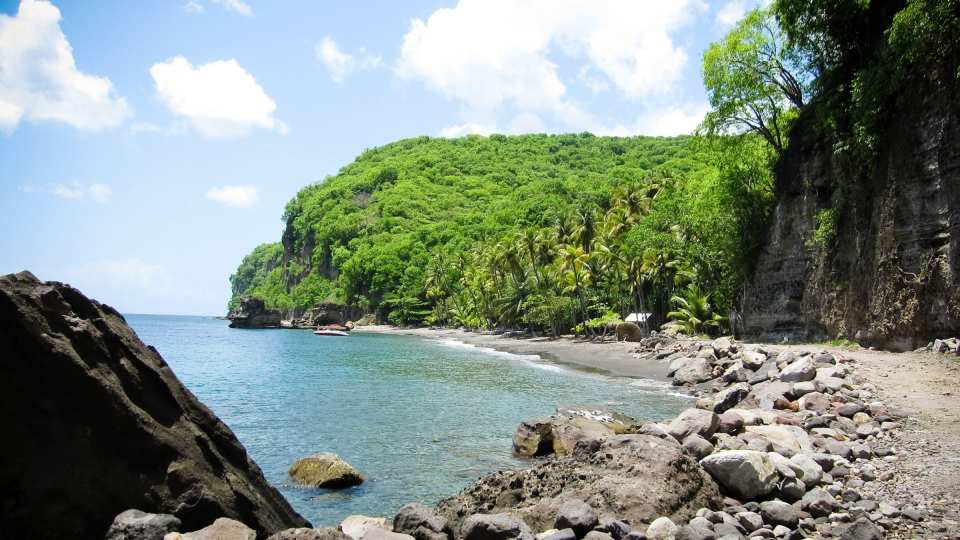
(610, 357)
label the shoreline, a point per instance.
(607, 357)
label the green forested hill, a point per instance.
(530, 230)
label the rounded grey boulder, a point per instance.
(495, 527)
(136, 525)
(422, 523)
(577, 515)
(745, 473)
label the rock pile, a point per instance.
(788, 439)
(943, 346)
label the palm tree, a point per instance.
(693, 311)
(575, 267)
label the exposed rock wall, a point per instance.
(891, 277)
(95, 422)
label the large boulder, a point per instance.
(325, 470)
(637, 478)
(422, 523)
(801, 369)
(136, 525)
(577, 515)
(697, 370)
(628, 331)
(694, 422)
(221, 529)
(791, 437)
(357, 526)
(253, 313)
(744, 473)
(560, 433)
(98, 423)
(495, 527)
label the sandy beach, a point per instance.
(615, 358)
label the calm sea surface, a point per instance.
(420, 418)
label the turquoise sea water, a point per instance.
(421, 418)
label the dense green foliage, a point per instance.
(534, 231)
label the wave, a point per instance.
(533, 360)
(662, 387)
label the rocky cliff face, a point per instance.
(95, 422)
(891, 277)
(252, 313)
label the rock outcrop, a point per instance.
(252, 313)
(97, 423)
(559, 434)
(891, 276)
(325, 470)
(636, 478)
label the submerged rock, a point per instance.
(103, 425)
(637, 478)
(325, 470)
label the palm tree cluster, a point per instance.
(577, 274)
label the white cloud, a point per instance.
(672, 120)
(236, 6)
(340, 64)
(193, 7)
(469, 128)
(220, 99)
(731, 13)
(234, 196)
(39, 79)
(73, 191)
(486, 53)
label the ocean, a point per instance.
(421, 418)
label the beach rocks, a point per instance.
(136, 525)
(560, 433)
(125, 431)
(744, 473)
(577, 515)
(325, 470)
(306, 533)
(729, 398)
(694, 422)
(791, 437)
(697, 370)
(662, 528)
(357, 527)
(422, 523)
(801, 369)
(495, 527)
(636, 478)
(221, 529)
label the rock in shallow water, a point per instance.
(325, 470)
(125, 431)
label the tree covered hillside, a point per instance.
(545, 231)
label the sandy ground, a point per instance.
(609, 356)
(925, 472)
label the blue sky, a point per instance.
(146, 147)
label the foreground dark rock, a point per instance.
(636, 478)
(97, 423)
(252, 313)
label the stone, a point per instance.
(809, 470)
(803, 388)
(697, 446)
(911, 513)
(617, 528)
(750, 521)
(221, 529)
(565, 534)
(306, 533)
(126, 432)
(534, 437)
(662, 528)
(729, 398)
(744, 473)
(357, 526)
(688, 532)
(752, 360)
(818, 503)
(694, 421)
(495, 527)
(792, 489)
(737, 372)
(723, 346)
(862, 529)
(136, 525)
(597, 535)
(766, 394)
(325, 470)
(791, 437)
(730, 422)
(838, 448)
(577, 515)
(695, 371)
(376, 533)
(628, 331)
(801, 369)
(636, 478)
(779, 513)
(814, 401)
(850, 409)
(422, 523)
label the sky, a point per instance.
(146, 147)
